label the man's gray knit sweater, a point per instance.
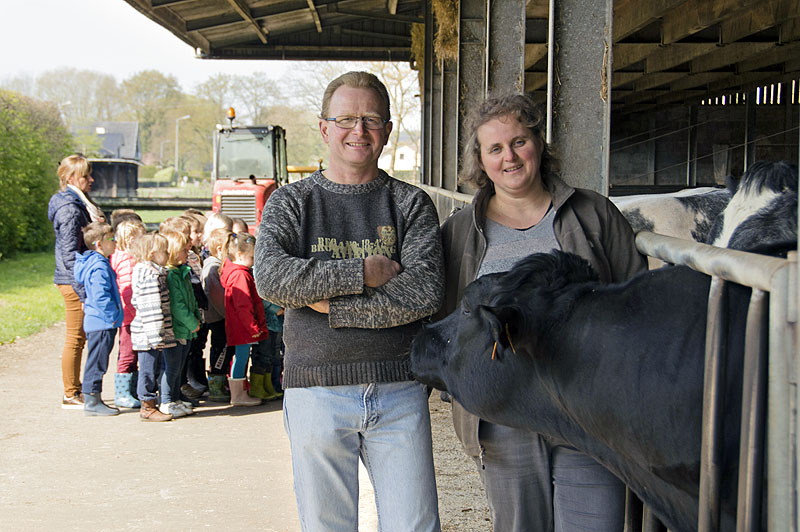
(312, 241)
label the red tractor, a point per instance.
(249, 164)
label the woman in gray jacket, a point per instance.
(523, 207)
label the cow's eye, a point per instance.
(466, 311)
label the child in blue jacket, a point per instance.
(102, 312)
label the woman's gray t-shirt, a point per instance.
(505, 246)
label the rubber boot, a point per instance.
(149, 412)
(122, 391)
(216, 389)
(196, 373)
(239, 396)
(270, 389)
(257, 388)
(94, 406)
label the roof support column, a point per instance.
(472, 64)
(582, 102)
(428, 100)
(505, 46)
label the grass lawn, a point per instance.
(156, 216)
(29, 301)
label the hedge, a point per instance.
(33, 139)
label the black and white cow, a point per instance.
(613, 370)
(688, 214)
(763, 211)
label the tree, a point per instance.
(81, 95)
(256, 93)
(147, 98)
(33, 140)
(401, 82)
(304, 145)
(218, 89)
(403, 86)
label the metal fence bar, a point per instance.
(754, 396)
(739, 267)
(781, 402)
(713, 407)
(779, 278)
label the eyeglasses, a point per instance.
(349, 122)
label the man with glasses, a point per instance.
(354, 256)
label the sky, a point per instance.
(107, 36)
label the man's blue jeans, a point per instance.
(387, 426)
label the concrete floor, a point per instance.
(223, 469)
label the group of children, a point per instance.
(166, 292)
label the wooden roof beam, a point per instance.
(284, 8)
(534, 52)
(700, 79)
(626, 54)
(769, 56)
(535, 81)
(697, 15)
(632, 15)
(315, 15)
(155, 4)
(728, 55)
(536, 8)
(758, 18)
(618, 79)
(244, 11)
(676, 54)
(644, 96)
(402, 39)
(381, 16)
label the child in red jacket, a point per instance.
(245, 323)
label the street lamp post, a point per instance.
(177, 124)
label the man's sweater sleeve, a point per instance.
(418, 291)
(281, 275)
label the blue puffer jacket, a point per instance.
(69, 216)
(103, 306)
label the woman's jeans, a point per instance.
(149, 367)
(387, 426)
(74, 341)
(100, 345)
(532, 485)
(171, 378)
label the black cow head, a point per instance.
(488, 345)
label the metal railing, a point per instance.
(769, 395)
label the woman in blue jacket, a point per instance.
(70, 210)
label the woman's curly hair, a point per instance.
(530, 115)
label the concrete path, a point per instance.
(223, 469)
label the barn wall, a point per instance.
(653, 148)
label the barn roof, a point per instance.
(290, 29)
(119, 139)
(664, 52)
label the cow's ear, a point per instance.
(501, 321)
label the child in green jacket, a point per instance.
(186, 320)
